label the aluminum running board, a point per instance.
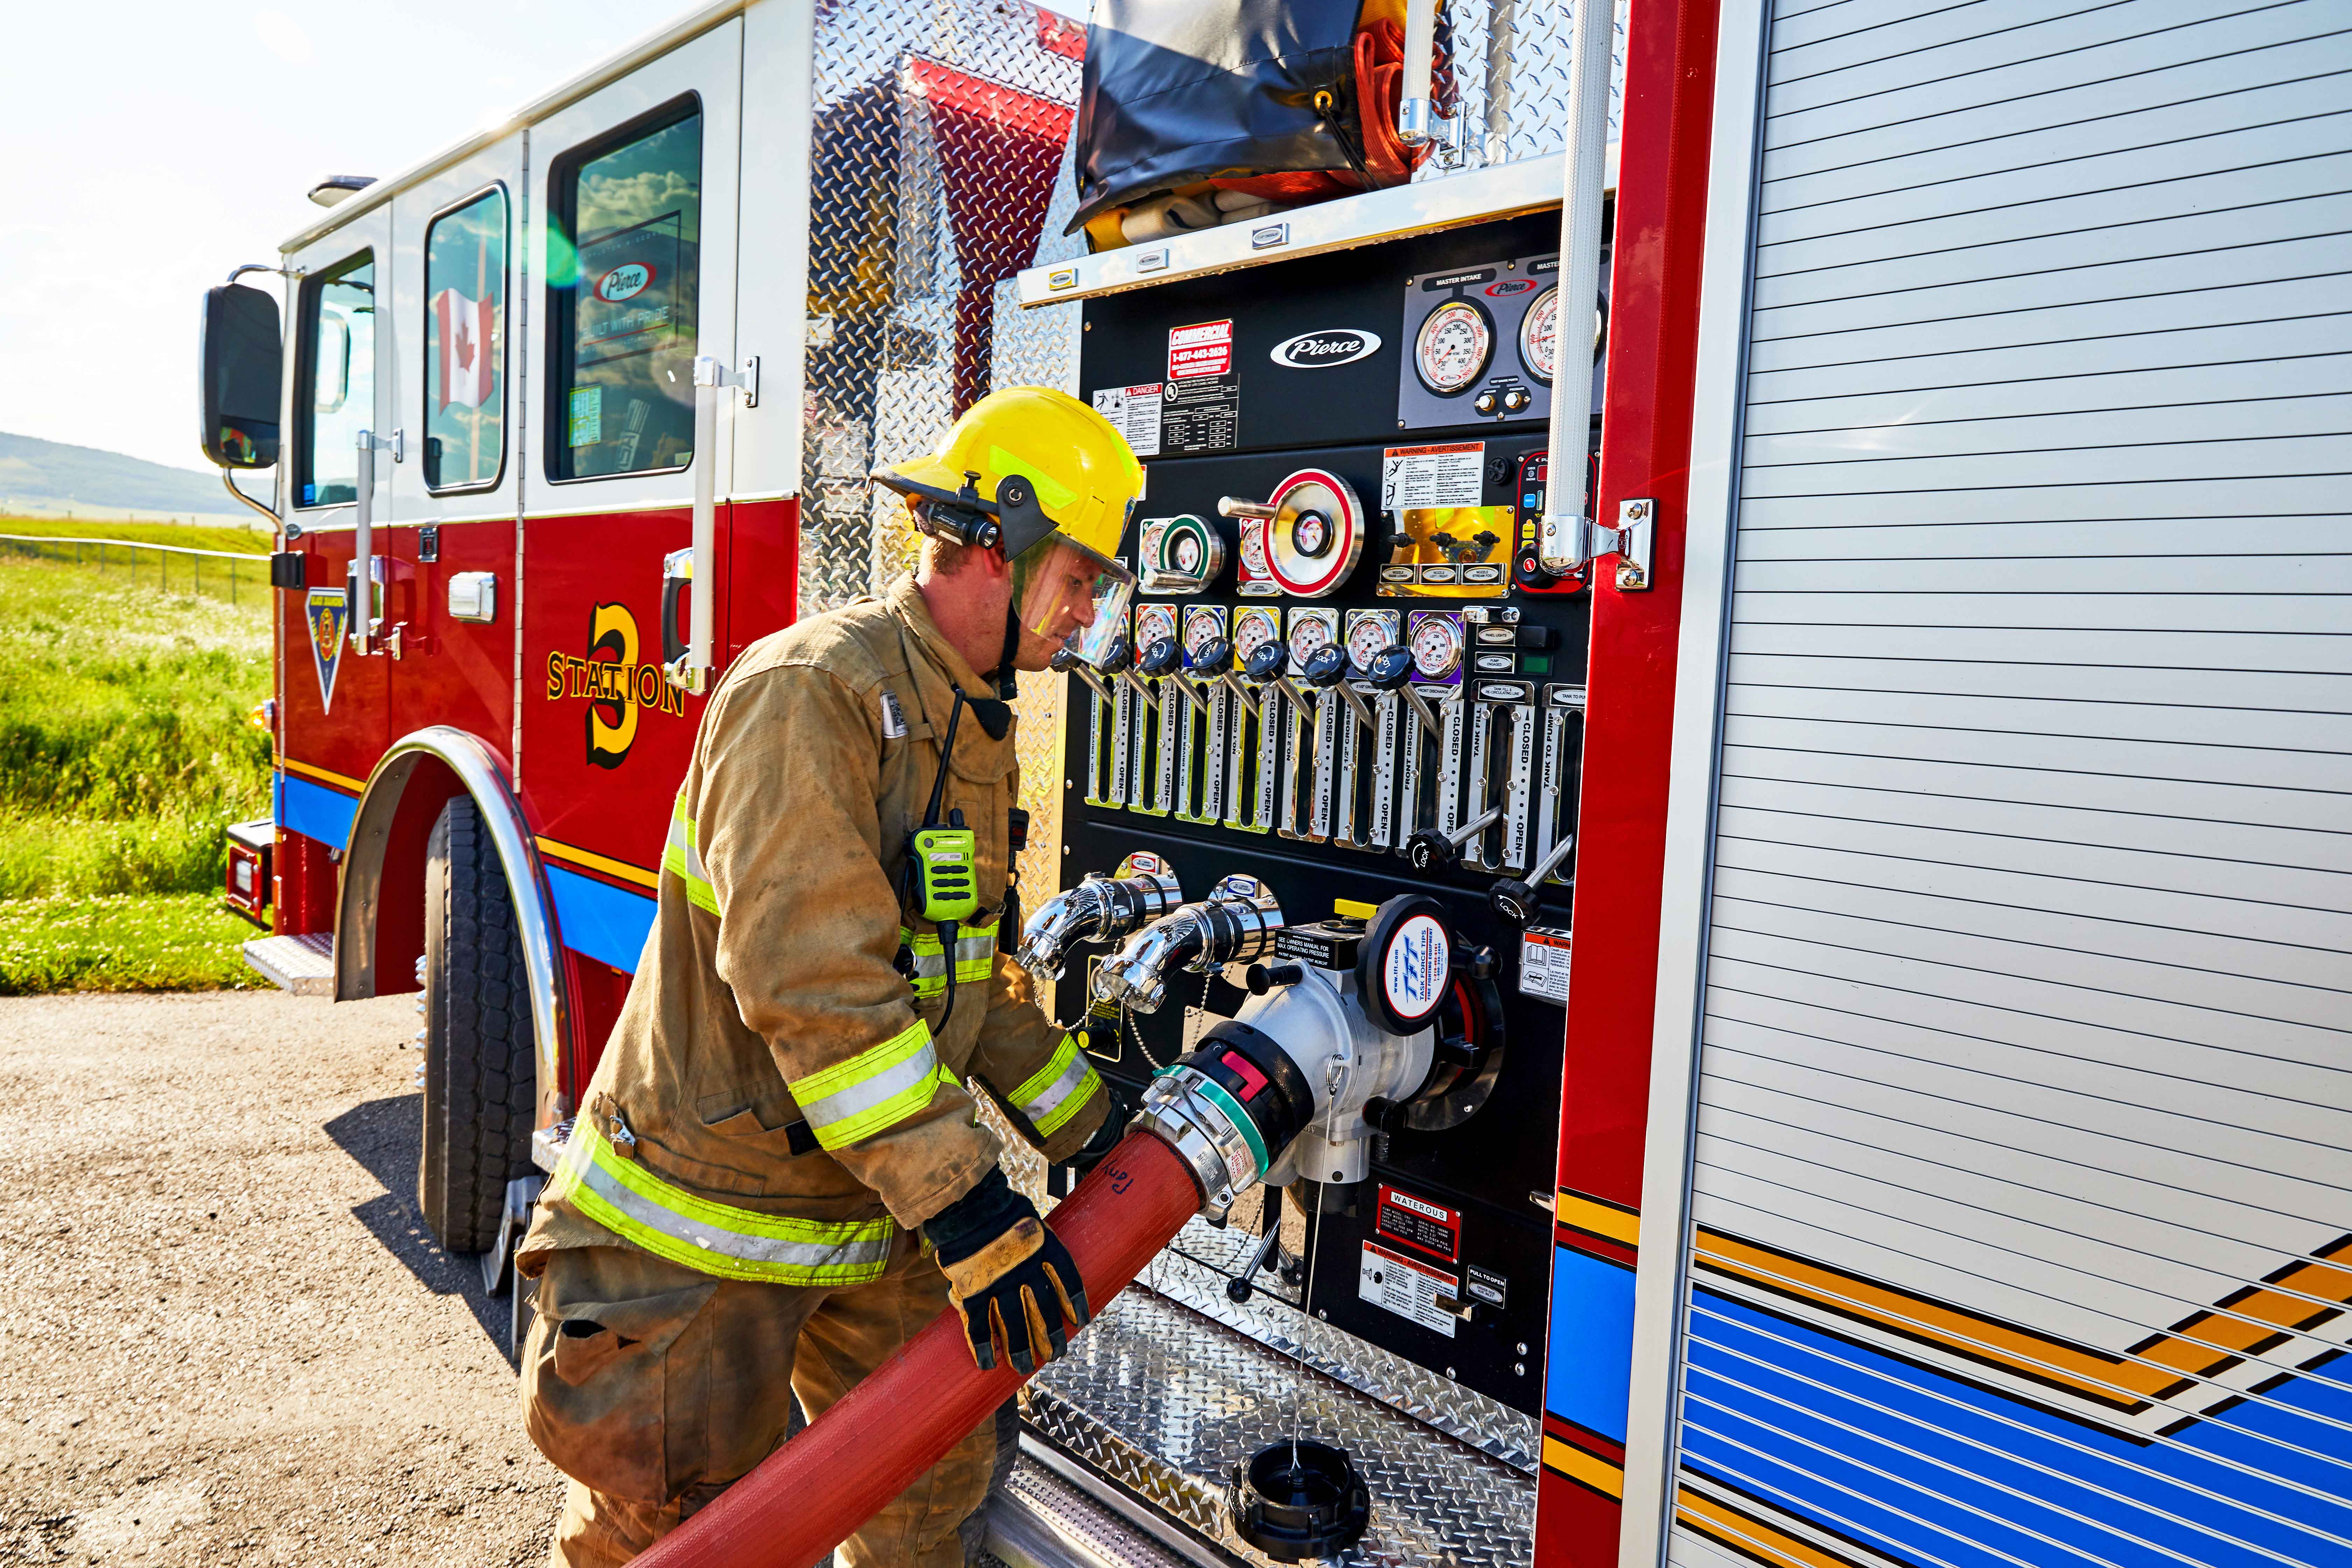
(1038, 1518)
(1163, 1402)
(304, 965)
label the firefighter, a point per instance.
(777, 1176)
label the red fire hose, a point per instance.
(809, 1495)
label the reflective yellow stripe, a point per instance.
(975, 959)
(717, 1239)
(683, 855)
(1058, 1090)
(873, 1088)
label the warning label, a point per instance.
(1543, 963)
(1450, 474)
(1201, 404)
(1396, 1283)
(1134, 411)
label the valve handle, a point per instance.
(1213, 658)
(1161, 659)
(1429, 849)
(1326, 667)
(1118, 658)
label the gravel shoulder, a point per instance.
(226, 1336)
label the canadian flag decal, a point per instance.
(468, 372)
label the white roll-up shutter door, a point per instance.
(2020, 1199)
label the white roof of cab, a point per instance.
(658, 42)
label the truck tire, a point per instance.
(480, 1083)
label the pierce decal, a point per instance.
(327, 612)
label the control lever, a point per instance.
(1326, 672)
(1067, 661)
(1391, 670)
(1428, 852)
(1118, 663)
(1270, 666)
(1238, 1289)
(1161, 660)
(1213, 665)
(1520, 902)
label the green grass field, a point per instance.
(125, 748)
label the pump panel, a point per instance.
(1317, 498)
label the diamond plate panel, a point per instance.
(1492, 1427)
(1510, 76)
(1167, 1402)
(1037, 1518)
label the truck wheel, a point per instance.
(480, 1086)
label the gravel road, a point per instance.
(226, 1336)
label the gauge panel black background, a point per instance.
(1339, 418)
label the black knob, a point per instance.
(1162, 657)
(1239, 1291)
(1516, 901)
(1262, 978)
(1326, 667)
(1266, 663)
(1389, 669)
(1531, 571)
(1427, 851)
(1213, 658)
(1118, 658)
(1065, 659)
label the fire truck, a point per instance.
(1741, 941)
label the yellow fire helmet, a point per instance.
(1040, 474)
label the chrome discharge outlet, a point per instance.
(1099, 909)
(1234, 924)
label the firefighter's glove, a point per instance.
(1012, 1279)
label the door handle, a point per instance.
(678, 575)
(360, 598)
(689, 667)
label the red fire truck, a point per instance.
(1916, 746)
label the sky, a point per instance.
(153, 144)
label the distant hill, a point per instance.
(44, 476)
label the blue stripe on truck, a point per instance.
(314, 811)
(599, 921)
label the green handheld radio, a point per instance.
(944, 859)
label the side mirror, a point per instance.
(242, 360)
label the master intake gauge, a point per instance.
(1539, 336)
(1451, 351)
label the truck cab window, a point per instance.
(338, 368)
(464, 334)
(622, 273)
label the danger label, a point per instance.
(1134, 413)
(1396, 1283)
(1205, 348)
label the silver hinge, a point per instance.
(1573, 543)
(712, 371)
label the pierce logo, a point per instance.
(1321, 350)
(1509, 285)
(625, 282)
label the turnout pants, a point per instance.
(653, 1386)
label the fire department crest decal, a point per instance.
(328, 613)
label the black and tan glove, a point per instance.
(1012, 1280)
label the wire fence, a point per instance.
(214, 574)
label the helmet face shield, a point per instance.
(1065, 593)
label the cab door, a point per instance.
(332, 699)
(450, 547)
(634, 218)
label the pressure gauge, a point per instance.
(1203, 624)
(1309, 635)
(1254, 548)
(1453, 347)
(1369, 634)
(1253, 629)
(1436, 645)
(1153, 622)
(1539, 336)
(1311, 532)
(1185, 556)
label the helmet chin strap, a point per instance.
(1008, 686)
